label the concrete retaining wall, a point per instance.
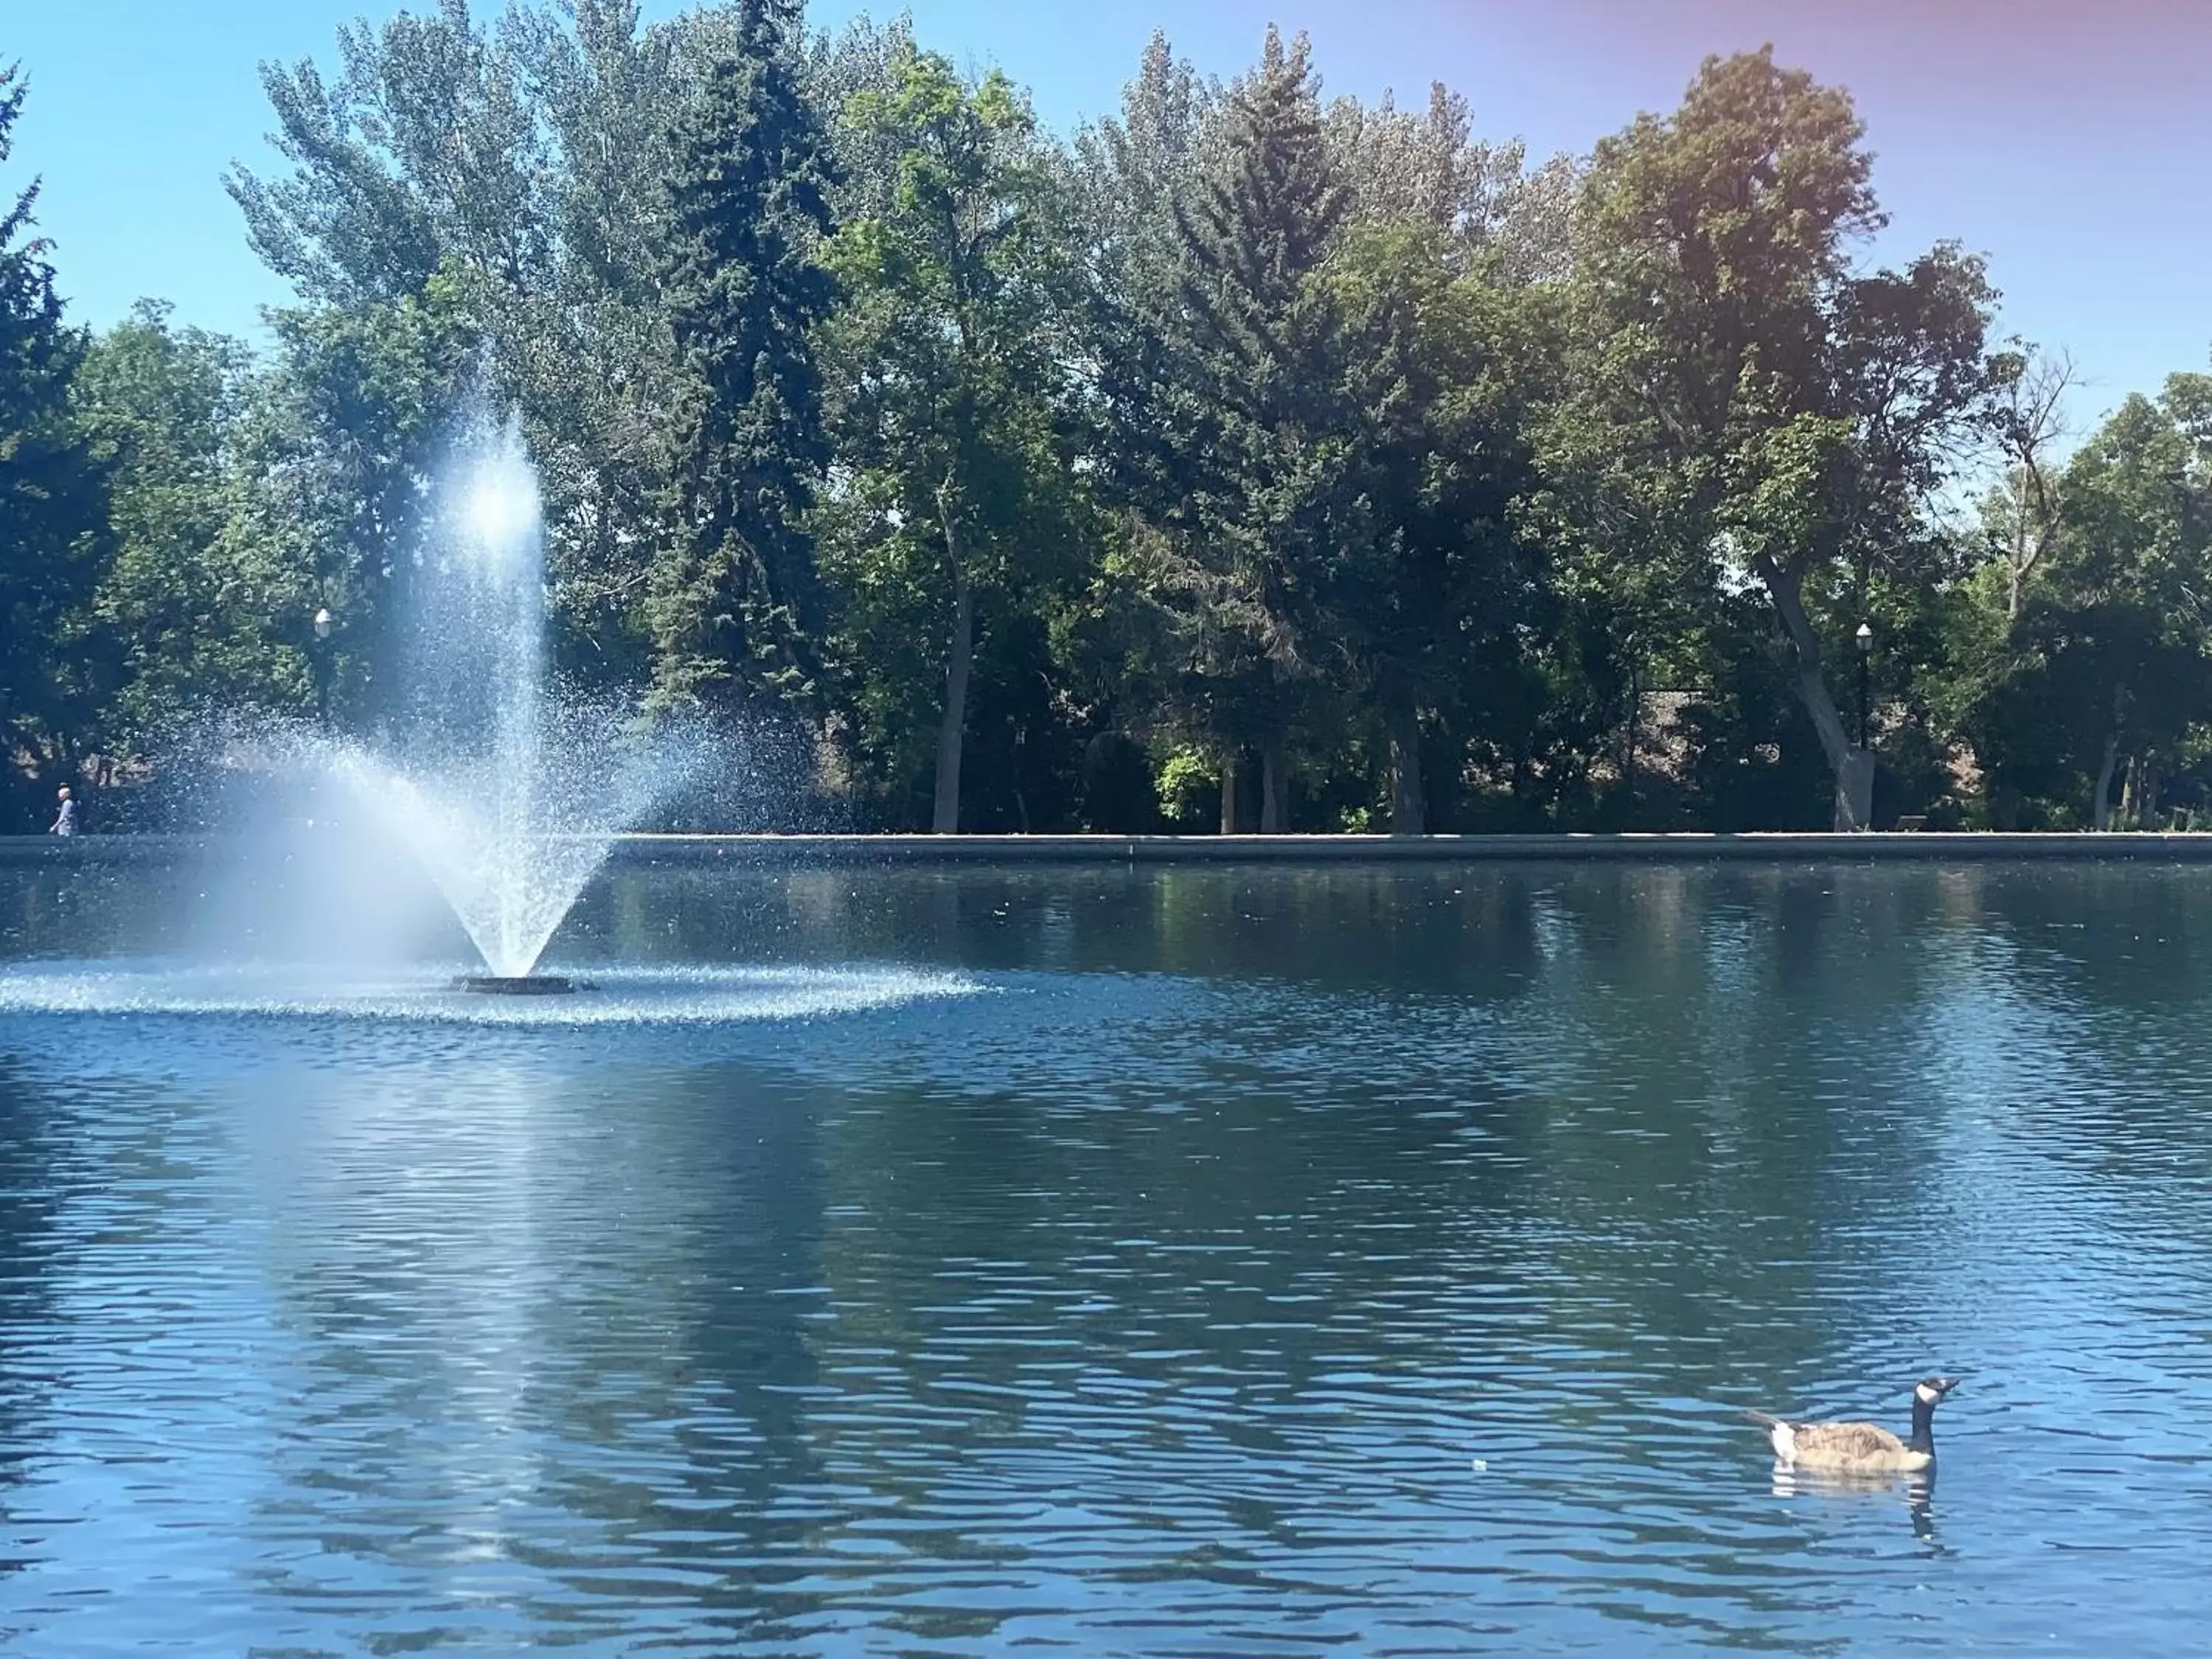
(756, 850)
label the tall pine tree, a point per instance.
(1235, 434)
(734, 601)
(52, 491)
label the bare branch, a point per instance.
(2032, 428)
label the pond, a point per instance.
(1164, 1260)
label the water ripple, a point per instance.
(1168, 1265)
(676, 995)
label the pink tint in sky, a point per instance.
(2066, 141)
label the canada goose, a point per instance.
(1861, 1447)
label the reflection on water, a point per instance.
(1914, 1493)
(1200, 1261)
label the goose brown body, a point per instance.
(1863, 1448)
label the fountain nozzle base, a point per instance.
(519, 985)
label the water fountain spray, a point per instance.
(510, 793)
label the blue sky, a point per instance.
(2066, 141)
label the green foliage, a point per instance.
(1426, 584)
(734, 605)
(526, 159)
(182, 611)
(956, 506)
(334, 443)
(1249, 458)
(2110, 658)
(1749, 404)
(1188, 790)
(53, 506)
(1316, 407)
(1232, 434)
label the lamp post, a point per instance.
(324, 622)
(1865, 638)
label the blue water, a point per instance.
(1158, 1261)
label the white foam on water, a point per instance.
(620, 996)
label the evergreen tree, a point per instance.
(1261, 222)
(734, 606)
(1421, 587)
(52, 492)
(1130, 171)
(1235, 443)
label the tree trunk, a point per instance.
(1628, 746)
(1232, 780)
(1409, 810)
(944, 820)
(2004, 806)
(1851, 766)
(2102, 815)
(1274, 788)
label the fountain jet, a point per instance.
(509, 792)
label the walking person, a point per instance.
(64, 821)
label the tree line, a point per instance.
(1247, 460)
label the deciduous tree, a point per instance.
(1778, 416)
(950, 382)
(183, 618)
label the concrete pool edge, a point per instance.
(635, 850)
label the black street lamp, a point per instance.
(1865, 638)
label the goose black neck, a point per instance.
(1924, 1425)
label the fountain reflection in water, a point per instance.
(509, 791)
